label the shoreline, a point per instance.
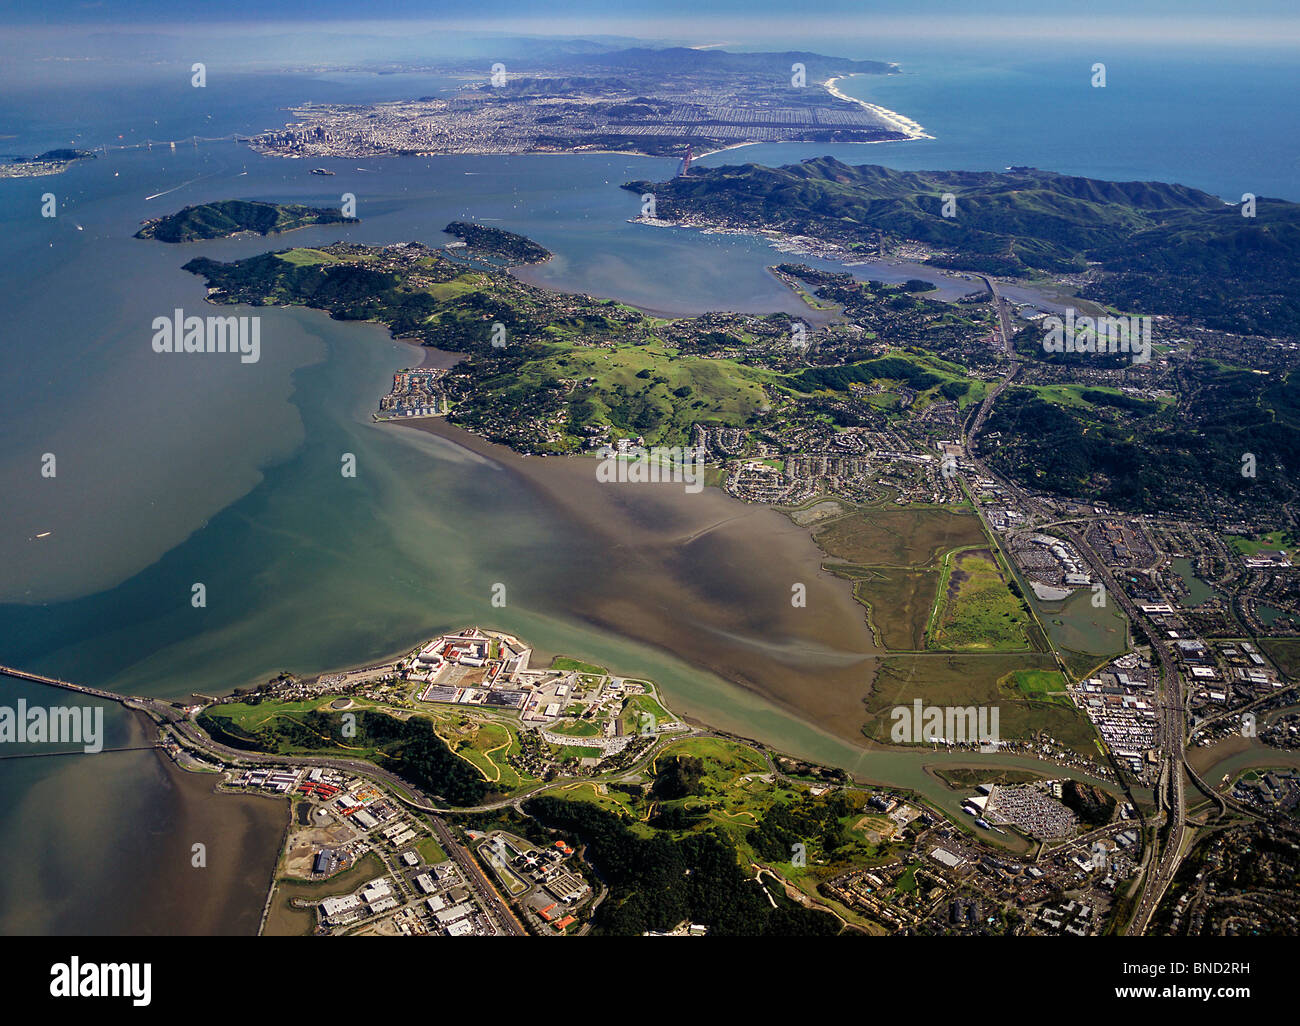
(892, 121)
(899, 122)
(724, 647)
(672, 315)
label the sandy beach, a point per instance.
(892, 119)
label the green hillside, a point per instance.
(1161, 248)
(224, 218)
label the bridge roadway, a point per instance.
(187, 731)
(67, 685)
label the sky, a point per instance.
(1247, 22)
(94, 40)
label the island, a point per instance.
(51, 162)
(224, 218)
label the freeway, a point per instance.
(1004, 313)
(1173, 726)
(476, 878)
(1173, 729)
(1173, 739)
(1004, 319)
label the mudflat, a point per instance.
(706, 577)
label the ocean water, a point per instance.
(1222, 121)
(179, 470)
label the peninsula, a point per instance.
(460, 790)
(497, 245)
(1163, 248)
(658, 102)
(51, 162)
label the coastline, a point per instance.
(642, 582)
(911, 129)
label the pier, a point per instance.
(67, 685)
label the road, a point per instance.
(1173, 727)
(67, 685)
(478, 880)
(1004, 314)
(1171, 794)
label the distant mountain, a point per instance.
(65, 154)
(690, 60)
(1167, 248)
(224, 218)
(54, 157)
(670, 68)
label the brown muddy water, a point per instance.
(118, 859)
(704, 577)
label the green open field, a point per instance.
(631, 719)
(724, 760)
(306, 257)
(913, 537)
(606, 797)
(898, 601)
(1271, 542)
(566, 664)
(1285, 652)
(250, 717)
(1042, 685)
(576, 752)
(977, 611)
(576, 728)
(966, 679)
(431, 851)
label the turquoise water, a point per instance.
(175, 472)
